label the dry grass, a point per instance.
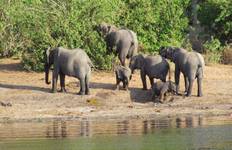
(227, 55)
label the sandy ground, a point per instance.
(24, 95)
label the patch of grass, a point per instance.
(227, 55)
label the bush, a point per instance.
(227, 55)
(213, 51)
(216, 17)
(29, 27)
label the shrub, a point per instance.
(216, 17)
(227, 55)
(28, 27)
(213, 51)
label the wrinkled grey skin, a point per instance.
(123, 74)
(75, 63)
(151, 66)
(191, 64)
(160, 89)
(120, 41)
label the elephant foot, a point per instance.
(63, 90)
(87, 93)
(81, 93)
(144, 89)
(200, 95)
(188, 95)
(126, 89)
(117, 88)
(53, 91)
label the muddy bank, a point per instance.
(25, 96)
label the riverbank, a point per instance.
(25, 96)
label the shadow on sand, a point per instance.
(139, 95)
(25, 87)
(11, 67)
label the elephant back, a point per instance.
(156, 66)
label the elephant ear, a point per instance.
(170, 53)
(47, 54)
(140, 61)
(109, 29)
(163, 51)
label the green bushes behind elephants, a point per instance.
(28, 27)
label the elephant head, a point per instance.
(136, 62)
(103, 29)
(167, 52)
(49, 60)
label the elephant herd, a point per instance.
(123, 42)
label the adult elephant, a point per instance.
(151, 66)
(73, 62)
(191, 64)
(124, 41)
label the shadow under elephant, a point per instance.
(24, 87)
(139, 95)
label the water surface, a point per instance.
(187, 133)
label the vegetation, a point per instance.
(29, 27)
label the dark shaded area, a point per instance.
(11, 67)
(96, 85)
(24, 87)
(139, 95)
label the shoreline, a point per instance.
(29, 98)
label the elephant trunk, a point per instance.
(47, 65)
(46, 68)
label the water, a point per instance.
(187, 133)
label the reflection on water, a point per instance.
(74, 128)
(190, 131)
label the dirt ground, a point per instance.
(25, 96)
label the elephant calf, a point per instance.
(151, 66)
(160, 89)
(123, 40)
(191, 64)
(123, 74)
(73, 62)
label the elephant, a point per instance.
(119, 41)
(152, 66)
(191, 64)
(123, 74)
(71, 62)
(160, 89)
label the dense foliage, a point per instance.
(216, 17)
(29, 27)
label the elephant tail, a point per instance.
(134, 44)
(169, 73)
(201, 64)
(90, 63)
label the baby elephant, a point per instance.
(160, 89)
(123, 74)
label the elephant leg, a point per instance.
(125, 85)
(151, 81)
(62, 83)
(177, 79)
(186, 83)
(54, 81)
(199, 83)
(82, 86)
(143, 78)
(161, 97)
(122, 60)
(87, 91)
(189, 92)
(117, 83)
